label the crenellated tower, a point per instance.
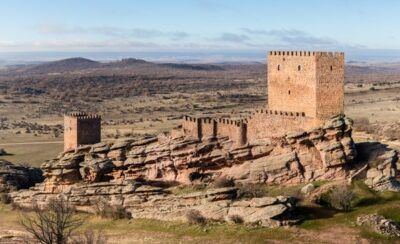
(81, 129)
(306, 82)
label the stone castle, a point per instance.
(304, 90)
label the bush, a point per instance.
(90, 237)
(340, 197)
(251, 190)
(195, 217)
(105, 210)
(363, 124)
(5, 198)
(223, 182)
(236, 219)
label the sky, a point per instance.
(199, 26)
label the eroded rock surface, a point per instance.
(380, 166)
(144, 201)
(14, 177)
(319, 154)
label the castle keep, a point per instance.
(81, 129)
(306, 82)
(304, 90)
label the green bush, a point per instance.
(195, 217)
(223, 182)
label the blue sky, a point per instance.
(198, 25)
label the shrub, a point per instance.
(105, 210)
(5, 198)
(236, 219)
(223, 182)
(195, 217)
(90, 237)
(340, 197)
(251, 190)
(363, 124)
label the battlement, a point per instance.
(280, 113)
(201, 128)
(306, 53)
(83, 115)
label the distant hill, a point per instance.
(60, 66)
(73, 65)
(205, 67)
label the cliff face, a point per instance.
(319, 154)
(108, 175)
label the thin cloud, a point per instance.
(111, 31)
(232, 37)
(292, 38)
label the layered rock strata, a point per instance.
(303, 156)
(144, 201)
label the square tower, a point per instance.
(306, 82)
(81, 129)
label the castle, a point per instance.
(304, 90)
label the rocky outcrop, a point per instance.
(144, 201)
(303, 156)
(13, 177)
(380, 166)
(380, 224)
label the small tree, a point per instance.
(341, 197)
(54, 225)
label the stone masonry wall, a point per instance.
(291, 82)
(201, 128)
(330, 84)
(309, 82)
(70, 133)
(209, 127)
(268, 123)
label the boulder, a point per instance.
(307, 188)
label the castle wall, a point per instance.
(191, 126)
(235, 130)
(201, 128)
(330, 85)
(209, 127)
(291, 82)
(268, 123)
